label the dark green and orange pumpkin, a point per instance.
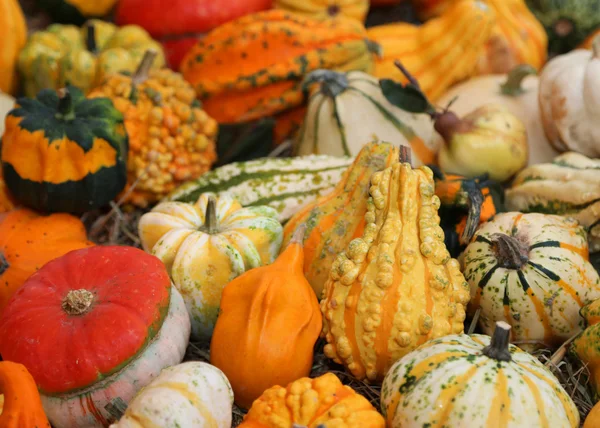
(62, 152)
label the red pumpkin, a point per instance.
(178, 24)
(93, 327)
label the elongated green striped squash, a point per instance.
(569, 186)
(335, 119)
(286, 184)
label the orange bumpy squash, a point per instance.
(312, 403)
(268, 325)
(253, 67)
(13, 35)
(395, 287)
(439, 53)
(333, 220)
(22, 407)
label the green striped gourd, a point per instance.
(462, 381)
(533, 272)
(286, 184)
(338, 107)
(569, 186)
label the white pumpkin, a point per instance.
(570, 101)
(6, 104)
(475, 381)
(346, 111)
(192, 394)
(518, 92)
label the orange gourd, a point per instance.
(268, 325)
(593, 418)
(13, 35)
(22, 405)
(28, 241)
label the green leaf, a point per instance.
(406, 97)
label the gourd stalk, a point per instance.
(141, 74)
(498, 347)
(77, 302)
(510, 252)
(210, 217)
(514, 81)
(90, 40)
(65, 105)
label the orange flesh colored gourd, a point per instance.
(438, 53)
(396, 286)
(268, 326)
(585, 346)
(335, 219)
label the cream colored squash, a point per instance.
(207, 244)
(6, 104)
(192, 394)
(346, 111)
(570, 101)
(518, 92)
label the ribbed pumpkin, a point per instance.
(76, 11)
(326, 9)
(13, 35)
(439, 53)
(20, 404)
(171, 138)
(531, 271)
(569, 186)
(336, 218)
(83, 57)
(395, 287)
(474, 381)
(206, 245)
(253, 67)
(312, 403)
(28, 241)
(268, 326)
(334, 125)
(62, 152)
(191, 394)
(111, 322)
(585, 346)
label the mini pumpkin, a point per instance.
(13, 33)
(115, 323)
(396, 286)
(82, 57)
(21, 406)
(28, 241)
(476, 380)
(533, 272)
(268, 326)
(206, 245)
(171, 139)
(188, 394)
(312, 403)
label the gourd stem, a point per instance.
(513, 85)
(141, 74)
(498, 347)
(77, 302)
(210, 217)
(596, 47)
(374, 48)
(510, 252)
(298, 236)
(405, 154)
(3, 264)
(91, 39)
(65, 105)
(332, 82)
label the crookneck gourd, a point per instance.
(569, 186)
(474, 380)
(254, 66)
(62, 152)
(171, 138)
(82, 57)
(336, 218)
(531, 271)
(440, 52)
(585, 346)
(395, 287)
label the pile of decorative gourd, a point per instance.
(437, 186)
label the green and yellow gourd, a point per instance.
(335, 119)
(475, 381)
(82, 57)
(64, 153)
(533, 272)
(569, 186)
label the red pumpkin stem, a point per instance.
(210, 216)
(510, 252)
(498, 347)
(77, 302)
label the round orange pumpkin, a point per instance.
(28, 241)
